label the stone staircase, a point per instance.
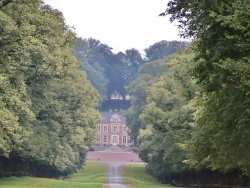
(113, 148)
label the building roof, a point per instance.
(112, 117)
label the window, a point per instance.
(105, 139)
(124, 129)
(99, 128)
(115, 118)
(105, 128)
(115, 128)
(124, 139)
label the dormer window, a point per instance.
(115, 118)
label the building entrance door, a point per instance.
(114, 140)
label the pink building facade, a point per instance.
(112, 130)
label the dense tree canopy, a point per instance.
(105, 70)
(222, 72)
(167, 117)
(89, 52)
(47, 106)
(164, 48)
(149, 73)
(110, 73)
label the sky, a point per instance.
(121, 24)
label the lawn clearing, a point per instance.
(136, 176)
(92, 176)
(92, 172)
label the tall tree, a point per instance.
(222, 71)
(167, 117)
(14, 99)
(148, 74)
(164, 48)
(133, 61)
(48, 105)
(109, 73)
(94, 63)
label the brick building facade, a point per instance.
(112, 130)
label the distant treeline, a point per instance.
(110, 73)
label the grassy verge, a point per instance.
(92, 176)
(135, 176)
(93, 172)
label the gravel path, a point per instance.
(114, 176)
(114, 158)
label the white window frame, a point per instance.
(105, 128)
(99, 129)
(124, 129)
(115, 130)
(105, 139)
(124, 139)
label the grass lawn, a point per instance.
(135, 176)
(92, 176)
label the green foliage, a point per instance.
(47, 106)
(168, 117)
(148, 75)
(224, 115)
(65, 125)
(222, 73)
(14, 99)
(13, 109)
(110, 73)
(94, 63)
(163, 48)
(133, 61)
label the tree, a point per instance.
(14, 99)
(163, 48)
(109, 73)
(48, 114)
(106, 71)
(86, 51)
(149, 73)
(64, 129)
(221, 70)
(133, 61)
(167, 116)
